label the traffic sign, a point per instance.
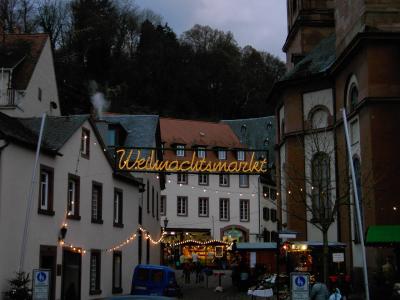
(300, 286)
(41, 284)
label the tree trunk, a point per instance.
(325, 257)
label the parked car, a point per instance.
(155, 280)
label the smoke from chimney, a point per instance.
(99, 102)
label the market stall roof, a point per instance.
(383, 235)
(255, 246)
(319, 244)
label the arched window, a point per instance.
(320, 176)
(353, 97)
(352, 93)
(357, 171)
(319, 118)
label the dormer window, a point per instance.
(201, 152)
(112, 136)
(180, 150)
(240, 155)
(222, 154)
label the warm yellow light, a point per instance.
(151, 163)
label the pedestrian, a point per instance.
(335, 294)
(319, 290)
(186, 272)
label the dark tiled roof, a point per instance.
(13, 129)
(57, 129)
(256, 133)
(140, 129)
(27, 47)
(317, 61)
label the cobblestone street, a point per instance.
(200, 290)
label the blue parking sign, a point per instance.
(41, 284)
(299, 286)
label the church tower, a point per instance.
(309, 21)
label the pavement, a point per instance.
(202, 291)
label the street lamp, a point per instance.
(282, 234)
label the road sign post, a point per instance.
(41, 284)
(300, 286)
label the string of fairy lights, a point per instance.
(140, 230)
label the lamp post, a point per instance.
(282, 234)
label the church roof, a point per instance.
(319, 60)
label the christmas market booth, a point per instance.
(307, 257)
(210, 253)
(183, 246)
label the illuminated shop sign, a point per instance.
(146, 160)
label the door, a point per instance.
(48, 260)
(71, 276)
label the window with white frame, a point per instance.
(180, 150)
(354, 132)
(182, 209)
(240, 155)
(203, 179)
(118, 208)
(320, 177)
(203, 207)
(117, 272)
(243, 180)
(222, 154)
(95, 265)
(182, 178)
(46, 190)
(224, 209)
(163, 205)
(73, 196)
(201, 152)
(85, 143)
(244, 210)
(97, 196)
(224, 179)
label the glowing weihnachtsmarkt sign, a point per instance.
(136, 160)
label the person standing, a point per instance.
(319, 291)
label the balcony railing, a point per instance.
(7, 97)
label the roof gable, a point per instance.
(22, 52)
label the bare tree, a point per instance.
(315, 184)
(26, 15)
(53, 18)
(9, 14)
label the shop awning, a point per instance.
(383, 235)
(255, 246)
(318, 244)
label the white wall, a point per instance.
(319, 142)
(15, 174)
(214, 192)
(43, 77)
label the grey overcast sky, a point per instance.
(259, 23)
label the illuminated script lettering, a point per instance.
(126, 161)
